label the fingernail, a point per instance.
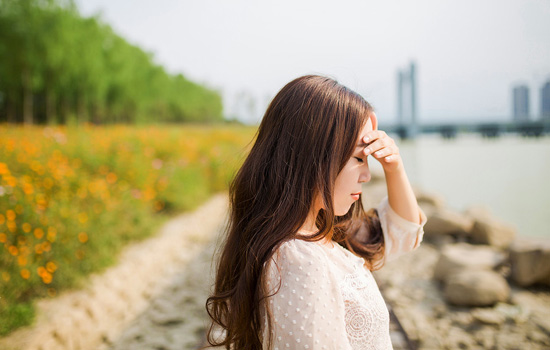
(366, 139)
(367, 150)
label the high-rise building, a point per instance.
(521, 103)
(545, 101)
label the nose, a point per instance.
(365, 176)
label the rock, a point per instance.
(435, 200)
(428, 209)
(530, 261)
(489, 316)
(476, 288)
(478, 212)
(459, 339)
(460, 256)
(486, 338)
(492, 232)
(542, 322)
(515, 313)
(510, 340)
(446, 222)
(462, 319)
(538, 337)
(441, 240)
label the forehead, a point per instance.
(366, 128)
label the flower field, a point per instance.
(72, 197)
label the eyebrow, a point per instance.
(362, 145)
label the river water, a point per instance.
(510, 175)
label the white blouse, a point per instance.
(328, 299)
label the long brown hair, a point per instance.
(306, 136)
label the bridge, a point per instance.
(486, 129)
(408, 125)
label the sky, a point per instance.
(468, 54)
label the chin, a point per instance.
(342, 212)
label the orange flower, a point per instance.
(46, 246)
(41, 271)
(3, 237)
(12, 181)
(25, 274)
(26, 227)
(10, 214)
(4, 169)
(12, 226)
(82, 237)
(111, 178)
(13, 250)
(47, 278)
(22, 260)
(38, 249)
(51, 267)
(38, 233)
(28, 188)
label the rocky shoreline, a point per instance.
(472, 284)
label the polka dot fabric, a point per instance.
(327, 299)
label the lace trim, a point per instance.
(366, 315)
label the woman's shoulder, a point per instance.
(298, 261)
(297, 252)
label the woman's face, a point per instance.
(356, 171)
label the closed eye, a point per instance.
(360, 160)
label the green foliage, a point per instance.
(71, 198)
(58, 67)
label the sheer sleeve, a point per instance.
(308, 309)
(400, 234)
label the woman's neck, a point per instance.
(310, 228)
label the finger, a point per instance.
(376, 145)
(374, 135)
(383, 152)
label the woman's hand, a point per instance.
(383, 148)
(401, 196)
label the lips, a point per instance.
(355, 196)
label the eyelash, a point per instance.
(359, 159)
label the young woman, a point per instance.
(295, 269)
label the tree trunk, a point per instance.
(51, 118)
(10, 108)
(27, 96)
(81, 109)
(64, 110)
(51, 102)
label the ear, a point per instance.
(374, 121)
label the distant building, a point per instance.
(545, 101)
(521, 103)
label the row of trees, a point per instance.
(57, 66)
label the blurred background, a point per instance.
(118, 115)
